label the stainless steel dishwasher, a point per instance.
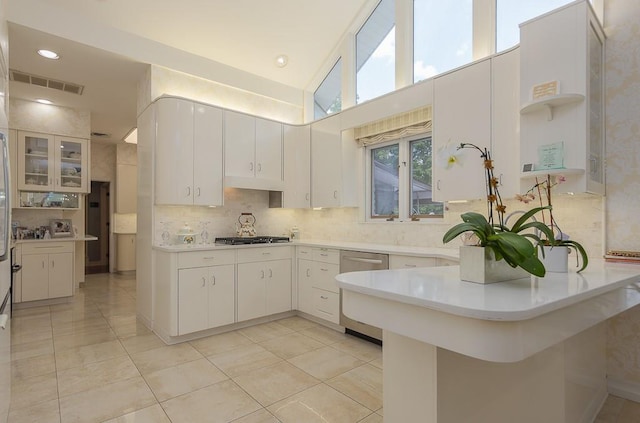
(354, 261)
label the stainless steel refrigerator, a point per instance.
(5, 281)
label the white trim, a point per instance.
(624, 389)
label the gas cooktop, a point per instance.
(252, 240)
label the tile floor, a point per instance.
(90, 361)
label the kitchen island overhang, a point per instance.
(528, 350)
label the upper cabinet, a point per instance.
(461, 113)
(297, 163)
(188, 153)
(253, 152)
(562, 101)
(52, 163)
(333, 165)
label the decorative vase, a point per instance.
(555, 259)
(478, 264)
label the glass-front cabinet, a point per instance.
(52, 163)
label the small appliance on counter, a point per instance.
(186, 235)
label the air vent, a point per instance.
(41, 81)
(100, 135)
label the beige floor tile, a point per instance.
(92, 324)
(260, 416)
(325, 335)
(630, 412)
(291, 345)
(47, 411)
(31, 349)
(88, 354)
(107, 401)
(610, 410)
(132, 329)
(296, 323)
(320, 404)
(153, 414)
(363, 384)
(377, 362)
(80, 339)
(30, 311)
(184, 378)
(140, 343)
(34, 366)
(222, 402)
(37, 322)
(359, 348)
(270, 384)
(243, 359)
(94, 375)
(265, 331)
(373, 418)
(34, 390)
(325, 363)
(67, 316)
(165, 357)
(28, 336)
(217, 344)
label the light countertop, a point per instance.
(61, 239)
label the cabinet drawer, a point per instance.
(47, 247)
(305, 252)
(324, 276)
(326, 255)
(326, 305)
(447, 262)
(403, 262)
(263, 254)
(206, 258)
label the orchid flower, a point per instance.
(450, 155)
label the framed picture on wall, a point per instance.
(60, 228)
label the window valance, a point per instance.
(398, 126)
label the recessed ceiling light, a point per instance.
(281, 61)
(44, 101)
(48, 54)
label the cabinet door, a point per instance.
(35, 277)
(60, 275)
(252, 290)
(305, 285)
(239, 144)
(408, 262)
(125, 252)
(35, 166)
(278, 295)
(297, 166)
(222, 295)
(70, 166)
(324, 276)
(174, 152)
(462, 113)
(326, 163)
(268, 150)
(207, 156)
(192, 300)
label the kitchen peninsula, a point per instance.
(529, 350)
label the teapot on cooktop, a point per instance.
(246, 225)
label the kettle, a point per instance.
(245, 227)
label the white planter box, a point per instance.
(477, 264)
(555, 259)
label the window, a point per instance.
(510, 14)
(328, 99)
(400, 179)
(376, 53)
(442, 36)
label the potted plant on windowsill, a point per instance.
(501, 252)
(555, 248)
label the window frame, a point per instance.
(404, 180)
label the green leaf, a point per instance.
(539, 226)
(580, 249)
(461, 228)
(534, 266)
(479, 221)
(527, 216)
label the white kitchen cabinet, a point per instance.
(125, 252)
(566, 48)
(205, 298)
(318, 292)
(188, 161)
(47, 270)
(407, 262)
(461, 113)
(333, 165)
(253, 152)
(297, 166)
(264, 282)
(52, 163)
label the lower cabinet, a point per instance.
(205, 298)
(47, 270)
(264, 288)
(318, 292)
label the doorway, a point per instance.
(97, 218)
